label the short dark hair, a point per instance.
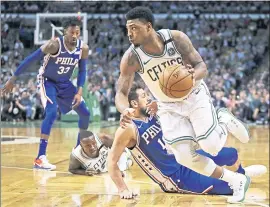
(85, 134)
(141, 13)
(71, 22)
(133, 92)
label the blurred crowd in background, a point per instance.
(236, 52)
(124, 6)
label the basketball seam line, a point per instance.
(181, 79)
(168, 81)
(176, 90)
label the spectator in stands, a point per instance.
(218, 102)
(25, 105)
(233, 49)
(261, 112)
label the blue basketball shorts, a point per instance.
(60, 93)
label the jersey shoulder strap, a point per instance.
(166, 35)
(79, 48)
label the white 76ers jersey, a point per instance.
(152, 66)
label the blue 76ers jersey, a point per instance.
(150, 151)
(59, 67)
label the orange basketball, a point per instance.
(175, 81)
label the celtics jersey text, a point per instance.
(152, 66)
(95, 164)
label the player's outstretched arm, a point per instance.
(106, 139)
(190, 55)
(81, 75)
(128, 66)
(50, 47)
(123, 138)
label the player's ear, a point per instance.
(134, 104)
(149, 26)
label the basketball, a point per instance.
(175, 81)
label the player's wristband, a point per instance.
(82, 73)
(37, 55)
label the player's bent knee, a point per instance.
(210, 147)
(51, 114)
(183, 155)
(186, 160)
(84, 116)
(230, 155)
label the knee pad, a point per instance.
(209, 147)
(214, 142)
(194, 161)
(50, 113)
(227, 156)
(84, 115)
(184, 154)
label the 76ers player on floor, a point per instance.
(183, 120)
(61, 55)
(145, 139)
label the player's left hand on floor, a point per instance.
(76, 101)
(127, 194)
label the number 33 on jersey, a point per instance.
(59, 67)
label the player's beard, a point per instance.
(143, 112)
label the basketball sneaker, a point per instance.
(43, 163)
(234, 125)
(239, 186)
(255, 170)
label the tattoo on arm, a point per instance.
(124, 83)
(185, 47)
(131, 59)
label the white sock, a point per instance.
(228, 175)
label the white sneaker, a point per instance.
(43, 163)
(240, 186)
(255, 170)
(234, 125)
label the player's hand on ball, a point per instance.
(190, 69)
(127, 194)
(126, 117)
(152, 108)
(76, 101)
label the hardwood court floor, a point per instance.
(22, 186)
